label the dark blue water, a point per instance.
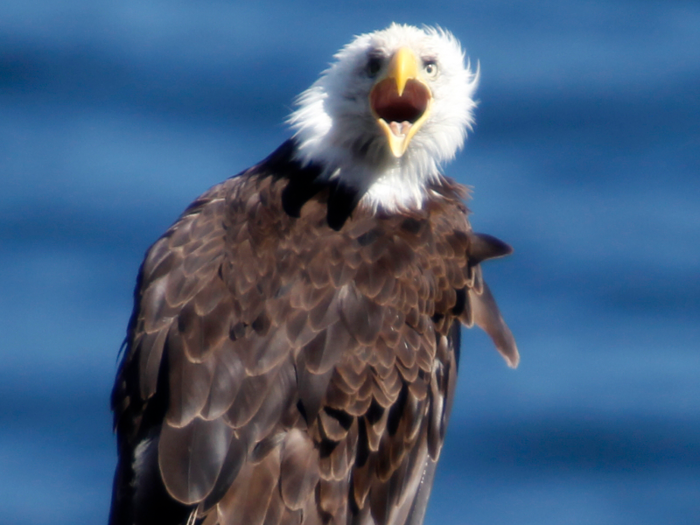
(585, 157)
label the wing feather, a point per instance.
(227, 378)
(191, 457)
(190, 382)
(300, 474)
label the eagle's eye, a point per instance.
(374, 64)
(430, 67)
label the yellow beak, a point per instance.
(400, 101)
(403, 66)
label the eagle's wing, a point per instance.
(277, 371)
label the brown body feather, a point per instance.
(279, 371)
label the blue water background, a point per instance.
(585, 157)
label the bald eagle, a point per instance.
(293, 349)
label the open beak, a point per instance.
(400, 101)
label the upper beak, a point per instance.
(400, 100)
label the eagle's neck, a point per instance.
(346, 186)
(383, 182)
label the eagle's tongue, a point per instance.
(400, 129)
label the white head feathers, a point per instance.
(336, 126)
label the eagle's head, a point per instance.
(387, 113)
